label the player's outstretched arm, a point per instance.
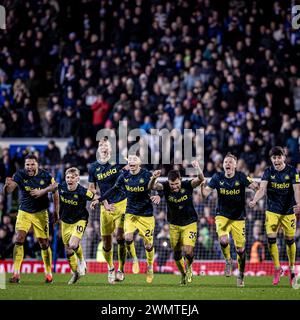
(10, 185)
(205, 190)
(153, 184)
(254, 186)
(37, 193)
(260, 193)
(200, 176)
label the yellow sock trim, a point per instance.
(79, 253)
(274, 254)
(131, 250)
(150, 257)
(226, 252)
(180, 265)
(73, 262)
(291, 253)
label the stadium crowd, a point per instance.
(230, 68)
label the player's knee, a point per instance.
(148, 247)
(106, 248)
(121, 242)
(271, 241)
(290, 242)
(20, 239)
(241, 252)
(224, 243)
(189, 252)
(73, 246)
(44, 244)
(177, 255)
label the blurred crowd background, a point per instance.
(69, 68)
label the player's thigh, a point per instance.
(146, 225)
(175, 237)
(238, 232)
(289, 223)
(107, 226)
(272, 222)
(189, 235)
(40, 222)
(66, 232)
(223, 226)
(130, 223)
(78, 229)
(119, 216)
(23, 222)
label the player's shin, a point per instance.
(291, 253)
(179, 262)
(79, 253)
(241, 258)
(18, 256)
(273, 248)
(47, 259)
(121, 254)
(150, 256)
(131, 249)
(72, 261)
(108, 256)
(225, 247)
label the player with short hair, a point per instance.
(74, 218)
(34, 184)
(139, 210)
(105, 173)
(181, 216)
(230, 212)
(280, 182)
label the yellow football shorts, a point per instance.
(145, 226)
(72, 230)
(275, 220)
(225, 226)
(39, 221)
(183, 235)
(110, 221)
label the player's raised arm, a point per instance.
(200, 176)
(260, 193)
(10, 185)
(56, 206)
(153, 184)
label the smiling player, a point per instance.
(230, 212)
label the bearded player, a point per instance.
(181, 215)
(34, 184)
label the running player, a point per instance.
(34, 184)
(181, 215)
(139, 210)
(74, 218)
(230, 212)
(105, 173)
(281, 184)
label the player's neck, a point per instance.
(135, 172)
(73, 188)
(231, 175)
(281, 168)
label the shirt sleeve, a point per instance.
(92, 178)
(266, 175)
(213, 181)
(246, 180)
(17, 178)
(187, 184)
(295, 176)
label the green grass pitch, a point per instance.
(164, 286)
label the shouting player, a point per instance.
(34, 184)
(181, 215)
(139, 210)
(105, 173)
(230, 212)
(74, 218)
(281, 184)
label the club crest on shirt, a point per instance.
(182, 190)
(76, 196)
(221, 183)
(98, 169)
(287, 177)
(42, 182)
(237, 183)
(142, 181)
